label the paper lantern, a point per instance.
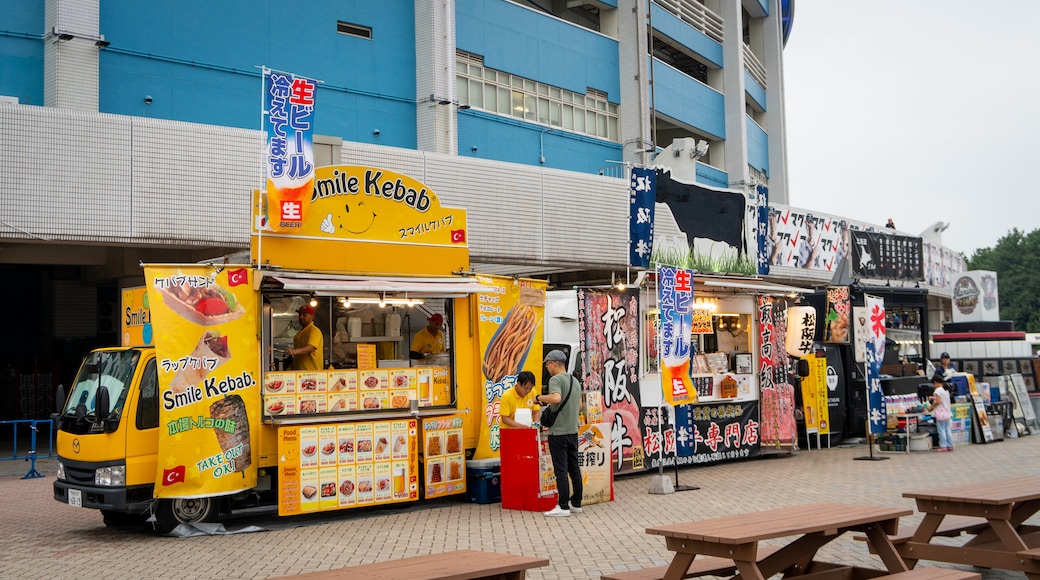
(801, 330)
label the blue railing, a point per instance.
(32, 454)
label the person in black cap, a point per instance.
(946, 368)
(564, 394)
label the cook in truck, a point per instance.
(430, 339)
(308, 344)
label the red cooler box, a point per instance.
(520, 454)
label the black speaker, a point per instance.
(107, 320)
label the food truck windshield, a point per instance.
(111, 369)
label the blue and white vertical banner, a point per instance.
(288, 149)
(875, 351)
(675, 302)
(641, 198)
(766, 244)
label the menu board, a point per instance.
(347, 390)
(444, 457)
(546, 473)
(343, 465)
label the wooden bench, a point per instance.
(707, 566)
(951, 527)
(460, 565)
(932, 574)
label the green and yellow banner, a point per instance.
(510, 322)
(206, 344)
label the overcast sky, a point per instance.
(917, 110)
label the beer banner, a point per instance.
(510, 322)
(675, 302)
(608, 331)
(289, 152)
(205, 343)
(839, 309)
(875, 352)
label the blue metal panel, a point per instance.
(203, 69)
(668, 24)
(765, 6)
(504, 139)
(754, 90)
(757, 147)
(21, 51)
(708, 175)
(689, 101)
(537, 46)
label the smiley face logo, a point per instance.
(357, 221)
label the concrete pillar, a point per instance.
(70, 54)
(436, 128)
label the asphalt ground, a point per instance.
(41, 538)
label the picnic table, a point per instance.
(735, 539)
(458, 565)
(993, 512)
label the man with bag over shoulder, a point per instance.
(564, 394)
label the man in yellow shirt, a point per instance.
(521, 396)
(430, 339)
(308, 349)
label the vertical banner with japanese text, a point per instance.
(815, 396)
(675, 301)
(594, 450)
(777, 394)
(289, 151)
(875, 352)
(510, 324)
(608, 331)
(642, 193)
(206, 345)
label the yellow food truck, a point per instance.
(213, 402)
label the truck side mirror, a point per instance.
(102, 404)
(59, 399)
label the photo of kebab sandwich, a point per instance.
(211, 346)
(233, 408)
(203, 306)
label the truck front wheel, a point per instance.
(169, 513)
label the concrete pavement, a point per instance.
(41, 538)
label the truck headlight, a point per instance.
(61, 470)
(111, 476)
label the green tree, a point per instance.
(1016, 260)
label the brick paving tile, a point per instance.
(41, 538)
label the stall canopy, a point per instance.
(749, 286)
(340, 286)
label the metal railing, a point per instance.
(696, 15)
(754, 66)
(35, 427)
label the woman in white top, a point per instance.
(939, 407)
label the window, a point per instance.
(509, 95)
(354, 30)
(148, 404)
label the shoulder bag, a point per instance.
(548, 418)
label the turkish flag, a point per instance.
(172, 476)
(458, 236)
(237, 277)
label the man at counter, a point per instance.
(430, 339)
(521, 396)
(308, 344)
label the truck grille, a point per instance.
(79, 475)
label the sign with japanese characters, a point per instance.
(675, 301)
(875, 352)
(608, 331)
(702, 434)
(510, 315)
(801, 330)
(815, 405)
(209, 405)
(887, 256)
(797, 239)
(289, 152)
(777, 394)
(837, 325)
(642, 192)
(366, 219)
(594, 460)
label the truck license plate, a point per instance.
(75, 498)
